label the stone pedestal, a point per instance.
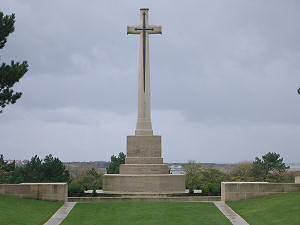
(144, 170)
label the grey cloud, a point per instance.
(228, 70)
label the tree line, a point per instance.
(49, 169)
(270, 167)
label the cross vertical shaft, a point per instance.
(144, 125)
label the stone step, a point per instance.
(144, 160)
(147, 198)
(144, 169)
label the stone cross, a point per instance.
(144, 125)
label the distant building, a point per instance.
(17, 162)
(176, 169)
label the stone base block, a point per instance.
(137, 184)
(144, 160)
(144, 169)
(144, 146)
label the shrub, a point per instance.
(207, 179)
(92, 180)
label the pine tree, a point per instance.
(9, 73)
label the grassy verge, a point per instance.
(19, 211)
(146, 213)
(283, 209)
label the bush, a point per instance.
(207, 179)
(242, 172)
(75, 189)
(92, 180)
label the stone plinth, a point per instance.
(143, 183)
(144, 170)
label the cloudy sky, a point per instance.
(224, 78)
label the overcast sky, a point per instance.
(224, 79)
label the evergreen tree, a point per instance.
(270, 167)
(9, 73)
(49, 169)
(115, 162)
(6, 170)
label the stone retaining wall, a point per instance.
(44, 191)
(297, 177)
(233, 191)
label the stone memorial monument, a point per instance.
(144, 170)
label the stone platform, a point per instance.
(144, 170)
(146, 198)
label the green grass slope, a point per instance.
(283, 209)
(19, 211)
(146, 213)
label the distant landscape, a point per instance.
(79, 168)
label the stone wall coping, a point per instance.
(55, 183)
(34, 184)
(254, 183)
(248, 183)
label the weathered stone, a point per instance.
(44, 191)
(233, 191)
(144, 171)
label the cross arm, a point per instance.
(132, 30)
(155, 30)
(139, 29)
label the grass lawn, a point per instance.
(283, 209)
(145, 213)
(19, 211)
